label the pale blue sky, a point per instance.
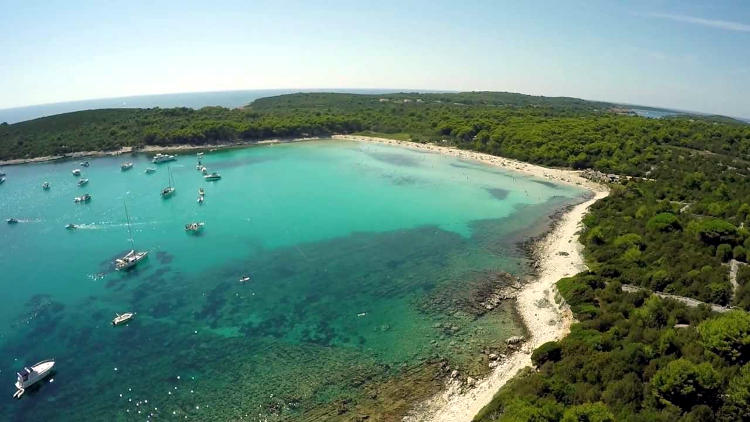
(680, 54)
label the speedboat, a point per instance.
(200, 199)
(83, 182)
(11, 221)
(244, 279)
(71, 226)
(126, 166)
(129, 260)
(84, 164)
(76, 172)
(212, 176)
(45, 185)
(201, 192)
(150, 170)
(194, 227)
(83, 198)
(204, 170)
(163, 158)
(122, 319)
(31, 376)
(199, 154)
(2, 180)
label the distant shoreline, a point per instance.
(150, 149)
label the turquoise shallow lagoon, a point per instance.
(364, 259)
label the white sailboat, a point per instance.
(133, 257)
(32, 375)
(123, 318)
(169, 190)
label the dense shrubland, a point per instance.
(672, 227)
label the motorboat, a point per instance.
(122, 319)
(194, 227)
(199, 154)
(84, 164)
(201, 192)
(32, 375)
(204, 170)
(163, 158)
(83, 182)
(12, 221)
(126, 166)
(83, 198)
(130, 260)
(76, 172)
(2, 180)
(212, 176)
(45, 185)
(150, 170)
(244, 279)
(71, 226)
(200, 199)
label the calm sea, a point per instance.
(364, 262)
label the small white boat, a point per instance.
(83, 182)
(126, 166)
(76, 172)
(163, 158)
(84, 164)
(150, 170)
(212, 176)
(199, 154)
(204, 170)
(83, 198)
(244, 279)
(129, 260)
(201, 192)
(31, 376)
(2, 180)
(167, 192)
(45, 185)
(200, 199)
(122, 319)
(194, 227)
(11, 221)
(71, 226)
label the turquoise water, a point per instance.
(358, 253)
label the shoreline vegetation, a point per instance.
(674, 223)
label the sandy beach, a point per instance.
(558, 255)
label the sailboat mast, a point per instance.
(130, 232)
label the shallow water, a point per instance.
(363, 259)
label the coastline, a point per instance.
(150, 148)
(558, 255)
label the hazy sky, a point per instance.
(681, 54)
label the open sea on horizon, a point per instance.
(364, 261)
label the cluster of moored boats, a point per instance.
(41, 370)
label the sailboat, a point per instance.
(133, 257)
(169, 190)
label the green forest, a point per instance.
(673, 226)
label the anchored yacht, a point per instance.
(31, 376)
(163, 158)
(126, 166)
(212, 176)
(122, 319)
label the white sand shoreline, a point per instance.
(559, 255)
